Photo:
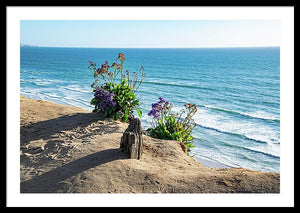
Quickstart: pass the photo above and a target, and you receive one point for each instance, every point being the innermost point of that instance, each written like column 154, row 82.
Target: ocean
column 237, row 92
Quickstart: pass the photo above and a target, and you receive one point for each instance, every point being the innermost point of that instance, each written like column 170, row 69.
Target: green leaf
column 139, row 112
column 93, row 101
column 189, row 138
column 135, row 102
column 189, row 145
column 125, row 117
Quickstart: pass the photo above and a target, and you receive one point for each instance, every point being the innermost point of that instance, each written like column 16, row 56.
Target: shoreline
column 66, row 149
column 211, row 164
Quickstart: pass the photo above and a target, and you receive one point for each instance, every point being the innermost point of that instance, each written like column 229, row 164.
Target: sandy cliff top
column 67, row 149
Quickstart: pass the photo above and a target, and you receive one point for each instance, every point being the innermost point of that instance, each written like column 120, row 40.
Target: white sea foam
column 262, row 115
column 248, row 129
column 256, row 114
column 54, row 95
column 79, row 89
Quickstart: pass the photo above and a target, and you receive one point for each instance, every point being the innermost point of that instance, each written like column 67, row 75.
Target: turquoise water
column 237, row 91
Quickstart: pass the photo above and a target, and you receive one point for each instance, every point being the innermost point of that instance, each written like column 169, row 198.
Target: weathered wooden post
column 132, row 140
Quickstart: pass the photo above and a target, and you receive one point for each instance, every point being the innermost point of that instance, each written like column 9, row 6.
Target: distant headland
column 27, row 45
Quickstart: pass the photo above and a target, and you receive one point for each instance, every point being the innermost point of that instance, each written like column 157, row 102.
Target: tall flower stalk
column 113, row 99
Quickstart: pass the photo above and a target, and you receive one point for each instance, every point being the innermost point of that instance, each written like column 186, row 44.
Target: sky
column 150, row 34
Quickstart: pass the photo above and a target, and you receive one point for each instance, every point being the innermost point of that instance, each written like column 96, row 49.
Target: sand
column 66, row 149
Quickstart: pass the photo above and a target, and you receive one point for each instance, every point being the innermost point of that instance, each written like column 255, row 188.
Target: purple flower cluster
column 157, row 107
column 162, row 100
column 105, row 99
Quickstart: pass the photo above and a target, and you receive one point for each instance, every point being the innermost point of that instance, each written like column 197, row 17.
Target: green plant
column 113, row 99
column 125, row 98
column 170, row 126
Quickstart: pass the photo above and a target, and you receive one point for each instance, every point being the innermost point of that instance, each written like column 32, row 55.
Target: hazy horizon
column 29, row 45
column 150, row 33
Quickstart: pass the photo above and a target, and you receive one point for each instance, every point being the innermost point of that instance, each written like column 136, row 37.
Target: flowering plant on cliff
column 170, row 126
column 114, row 90
column 103, row 100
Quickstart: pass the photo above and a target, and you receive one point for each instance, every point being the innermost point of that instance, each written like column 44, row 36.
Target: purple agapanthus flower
column 155, row 113
column 105, row 98
column 102, row 106
column 157, row 108
column 161, row 100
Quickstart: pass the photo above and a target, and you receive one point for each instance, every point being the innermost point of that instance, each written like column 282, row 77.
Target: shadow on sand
column 45, row 129
column 49, row 181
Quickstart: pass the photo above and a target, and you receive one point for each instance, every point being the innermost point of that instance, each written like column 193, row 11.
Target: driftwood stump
column 132, row 140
